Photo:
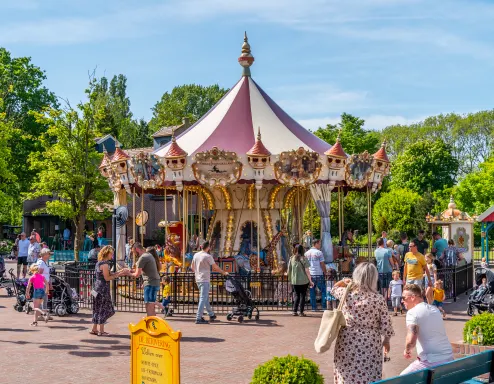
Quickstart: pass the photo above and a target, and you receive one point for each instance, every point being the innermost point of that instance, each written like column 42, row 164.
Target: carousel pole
column 184, row 241
column 340, row 231
column 258, row 232
column 369, row 224
column 200, row 215
column 342, row 210
column 166, row 216
column 134, row 214
column 142, row 215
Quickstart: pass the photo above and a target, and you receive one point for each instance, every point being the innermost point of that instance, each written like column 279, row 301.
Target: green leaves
column 486, row 323
column 288, row 370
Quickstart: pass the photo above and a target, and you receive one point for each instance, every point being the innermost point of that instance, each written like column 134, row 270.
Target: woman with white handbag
column 358, row 354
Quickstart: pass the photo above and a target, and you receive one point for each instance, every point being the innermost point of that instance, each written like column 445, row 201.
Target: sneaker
column 212, row 318
column 294, row 314
column 202, row 321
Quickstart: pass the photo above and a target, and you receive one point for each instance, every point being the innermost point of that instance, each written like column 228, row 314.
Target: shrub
column 288, row 370
column 486, row 323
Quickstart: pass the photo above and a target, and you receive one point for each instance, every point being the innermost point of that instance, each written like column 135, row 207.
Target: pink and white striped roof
column 233, row 122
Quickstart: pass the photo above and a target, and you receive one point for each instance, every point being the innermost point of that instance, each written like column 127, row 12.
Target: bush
column 288, row 370
column 486, row 323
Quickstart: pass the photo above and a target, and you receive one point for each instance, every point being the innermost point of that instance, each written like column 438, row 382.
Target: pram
column 3, row 280
column 245, row 304
column 62, row 299
column 19, row 286
column 482, row 298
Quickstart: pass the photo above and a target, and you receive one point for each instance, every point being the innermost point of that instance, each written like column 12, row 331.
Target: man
column 44, row 269
column 93, row 253
column 23, row 246
column 439, row 246
column 147, row 267
column 201, row 266
column 425, row 331
column 415, row 267
column 421, row 243
column 66, row 237
column 384, row 259
column 33, row 250
column 450, row 255
column 404, row 247
column 36, row 234
column 307, row 240
column 317, row 270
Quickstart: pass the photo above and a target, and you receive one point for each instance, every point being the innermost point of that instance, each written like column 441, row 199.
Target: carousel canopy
column 232, row 124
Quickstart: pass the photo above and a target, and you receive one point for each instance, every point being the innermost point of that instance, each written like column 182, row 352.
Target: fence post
column 454, row 283
column 174, row 290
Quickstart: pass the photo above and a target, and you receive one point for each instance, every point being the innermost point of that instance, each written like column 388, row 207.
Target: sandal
column 34, row 324
column 106, row 334
column 93, row 333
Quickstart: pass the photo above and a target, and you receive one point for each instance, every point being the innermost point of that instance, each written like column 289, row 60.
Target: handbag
column 331, row 323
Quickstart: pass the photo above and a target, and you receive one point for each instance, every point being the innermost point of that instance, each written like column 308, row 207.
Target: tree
column 8, row 214
column 426, row 166
column 191, row 101
column 68, row 166
column 22, row 91
column 399, row 210
column 354, row 138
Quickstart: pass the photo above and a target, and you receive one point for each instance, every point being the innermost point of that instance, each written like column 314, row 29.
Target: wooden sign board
column 155, row 352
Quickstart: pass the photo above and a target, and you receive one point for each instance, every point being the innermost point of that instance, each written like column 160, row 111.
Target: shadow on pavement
column 18, row 330
column 89, row 354
column 100, row 341
column 201, row 339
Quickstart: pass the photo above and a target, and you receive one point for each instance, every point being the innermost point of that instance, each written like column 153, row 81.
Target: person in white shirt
column 33, row 250
column 201, row 265
column 23, row 246
column 425, row 331
column 317, row 270
column 44, row 269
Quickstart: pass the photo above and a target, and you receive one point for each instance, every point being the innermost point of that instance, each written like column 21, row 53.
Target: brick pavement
column 223, row 352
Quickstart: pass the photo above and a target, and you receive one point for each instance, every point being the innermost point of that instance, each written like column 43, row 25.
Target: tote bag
column 331, row 323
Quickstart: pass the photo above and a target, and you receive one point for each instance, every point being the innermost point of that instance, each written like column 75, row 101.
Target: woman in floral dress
column 102, row 303
column 358, row 354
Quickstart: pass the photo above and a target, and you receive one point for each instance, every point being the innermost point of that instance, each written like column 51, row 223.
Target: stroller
column 482, row 298
column 19, row 287
column 245, row 305
column 62, row 299
column 3, row 280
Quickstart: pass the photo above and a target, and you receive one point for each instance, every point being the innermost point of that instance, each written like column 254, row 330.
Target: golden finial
column 246, row 59
column 259, row 133
column 338, row 138
column 173, row 135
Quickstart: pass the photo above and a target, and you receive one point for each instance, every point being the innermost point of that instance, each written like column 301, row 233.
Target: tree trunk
column 79, row 235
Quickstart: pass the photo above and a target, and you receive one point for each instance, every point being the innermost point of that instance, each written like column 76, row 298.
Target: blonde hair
column 365, row 277
column 105, row 253
column 395, row 273
column 34, row 268
column 390, row 243
column 429, row 256
column 440, row 283
column 483, row 259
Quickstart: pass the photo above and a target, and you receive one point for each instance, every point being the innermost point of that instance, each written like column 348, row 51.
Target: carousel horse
column 171, row 254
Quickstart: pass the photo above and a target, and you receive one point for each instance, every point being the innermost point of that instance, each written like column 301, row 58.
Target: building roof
column 166, row 131
column 100, row 140
column 381, row 153
column 336, row 150
column 119, row 155
column 486, row 216
column 135, row 151
column 174, row 150
column 258, row 149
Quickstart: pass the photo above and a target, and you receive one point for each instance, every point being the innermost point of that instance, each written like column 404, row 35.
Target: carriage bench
column 461, row 371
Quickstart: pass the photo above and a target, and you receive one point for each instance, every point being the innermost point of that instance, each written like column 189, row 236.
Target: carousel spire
column 106, row 159
column 175, row 151
column 259, row 150
column 246, row 59
column 381, row 153
column 337, row 149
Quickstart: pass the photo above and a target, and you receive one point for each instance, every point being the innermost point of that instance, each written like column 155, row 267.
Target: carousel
column 242, row 177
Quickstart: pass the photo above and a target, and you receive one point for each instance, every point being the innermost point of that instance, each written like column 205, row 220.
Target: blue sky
column 387, row 61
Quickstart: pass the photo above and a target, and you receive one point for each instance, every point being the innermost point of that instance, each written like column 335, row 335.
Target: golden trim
column 273, row 194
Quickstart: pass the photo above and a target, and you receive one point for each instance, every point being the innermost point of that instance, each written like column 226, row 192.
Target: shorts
column 384, row 280
column 396, row 301
column 39, row 293
column 437, row 303
column 150, row 293
column 419, row 282
column 22, row 260
column 166, row 301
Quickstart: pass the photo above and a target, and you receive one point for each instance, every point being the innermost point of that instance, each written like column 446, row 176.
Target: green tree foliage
column 475, row 193
column 400, row 210
column 8, row 213
column 192, row 101
column 68, row 166
column 484, row 321
column 469, row 136
column 425, row 166
column 354, row 138
column 22, row 91
column 113, row 112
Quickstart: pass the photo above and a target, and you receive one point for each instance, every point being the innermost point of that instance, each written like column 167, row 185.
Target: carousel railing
column 268, row 292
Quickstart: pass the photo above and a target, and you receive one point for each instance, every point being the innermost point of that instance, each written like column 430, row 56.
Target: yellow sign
column 155, row 352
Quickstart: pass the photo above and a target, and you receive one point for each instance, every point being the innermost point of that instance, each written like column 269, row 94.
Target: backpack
column 406, row 249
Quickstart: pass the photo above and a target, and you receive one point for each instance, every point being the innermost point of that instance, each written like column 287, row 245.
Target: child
column 480, row 290
column 439, row 296
column 37, row 280
column 395, row 256
column 165, row 284
column 429, row 258
column 483, row 263
column 331, row 278
column 283, row 288
column 394, row 291
column 396, row 253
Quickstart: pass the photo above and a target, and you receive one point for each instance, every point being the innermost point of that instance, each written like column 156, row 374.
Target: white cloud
column 374, row 122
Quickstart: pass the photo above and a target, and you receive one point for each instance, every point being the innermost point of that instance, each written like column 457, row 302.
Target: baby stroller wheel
column 229, row 317
column 73, row 308
column 470, row 310
column 240, row 319
column 18, row 308
column 27, row 308
column 60, row 310
column 10, row 292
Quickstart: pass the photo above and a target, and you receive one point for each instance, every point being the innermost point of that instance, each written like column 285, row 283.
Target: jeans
column 204, row 300
column 299, row 301
column 319, row 283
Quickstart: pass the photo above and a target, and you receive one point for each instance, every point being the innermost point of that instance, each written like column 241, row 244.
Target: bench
column 461, row 371
column 61, row 256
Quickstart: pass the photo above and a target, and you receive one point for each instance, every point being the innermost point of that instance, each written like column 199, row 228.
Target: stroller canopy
column 480, row 273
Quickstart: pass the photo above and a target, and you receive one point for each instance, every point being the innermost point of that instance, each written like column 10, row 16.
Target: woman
column 358, row 354
column 102, row 304
column 299, row 277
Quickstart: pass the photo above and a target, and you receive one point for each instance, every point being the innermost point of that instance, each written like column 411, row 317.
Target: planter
column 460, row 348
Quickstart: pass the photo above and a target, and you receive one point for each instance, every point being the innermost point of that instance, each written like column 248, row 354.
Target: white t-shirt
column 396, row 287
column 23, row 247
column 201, row 265
column 315, row 257
column 432, row 342
column 46, row 269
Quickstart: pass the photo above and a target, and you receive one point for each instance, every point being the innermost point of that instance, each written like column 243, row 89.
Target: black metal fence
column 269, row 293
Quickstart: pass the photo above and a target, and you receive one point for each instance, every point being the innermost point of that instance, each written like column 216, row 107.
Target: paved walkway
column 223, row 352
